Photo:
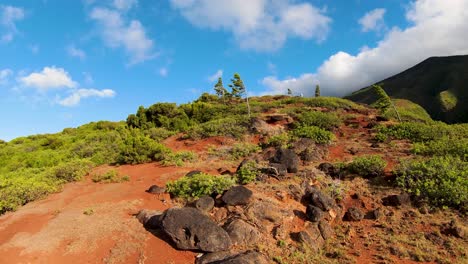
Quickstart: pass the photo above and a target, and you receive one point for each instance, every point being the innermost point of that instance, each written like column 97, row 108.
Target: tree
column 237, row 86
column 219, row 88
column 238, row 89
column 289, row 92
column 383, row 100
column 317, row 91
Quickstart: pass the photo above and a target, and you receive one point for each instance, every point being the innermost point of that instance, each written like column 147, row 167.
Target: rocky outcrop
column 288, row 158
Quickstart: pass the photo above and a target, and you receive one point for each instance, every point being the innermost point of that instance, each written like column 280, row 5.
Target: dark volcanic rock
column 281, row 169
column 154, row 189
column 314, row 214
column 325, row 229
column 288, row 158
column 330, row 170
column 311, row 237
column 319, row 199
column 150, row 219
column 242, row 233
column 193, row 173
column 375, row 214
column 237, row 195
column 190, row 229
column 249, row 257
column 354, row 214
column 397, row 200
column 205, row 204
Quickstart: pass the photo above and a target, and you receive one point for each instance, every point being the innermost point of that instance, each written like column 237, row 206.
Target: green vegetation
column 367, row 166
column 317, row 134
column 442, row 180
column 178, row 158
column 247, row 173
column 88, row 211
column 383, row 100
column 317, row 91
column 110, row 176
column 327, row 121
column 447, row 100
column 408, row 111
column 443, row 147
column 282, row 140
column 199, row 185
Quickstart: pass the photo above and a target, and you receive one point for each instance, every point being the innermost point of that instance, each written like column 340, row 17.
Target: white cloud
column 373, row 20
column 215, row 76
column 304, row 83
column 48, row 78
column 119, row 33
column 124, row 5
column 5, row 75
column 262, row 25
column 76, row 96
column 88, row 78
column 163, row 71
column 9, row 15
column 438, row 28
column 76, row 52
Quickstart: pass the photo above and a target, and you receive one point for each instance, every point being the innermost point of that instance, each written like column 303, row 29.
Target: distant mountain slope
column 439, row 84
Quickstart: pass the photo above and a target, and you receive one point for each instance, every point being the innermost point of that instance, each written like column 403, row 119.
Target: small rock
column 281, row 170
column 354, row 214
column 149, row 219
column 325, row 229
column 375, row 214
column 397, row 200
column 193, row 173
column 205, row 204
column 319, row 199
column 453, row 229
column 155, row 189
column 237, row 195
column 295, row 191
column 242, row 233
column 311, row 237
column 288, row 158
column 314, row 214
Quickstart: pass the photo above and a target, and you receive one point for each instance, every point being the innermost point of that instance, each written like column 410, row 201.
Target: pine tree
column 317, row 91
column 237, row 86
column 289, row 92
column 219, row 89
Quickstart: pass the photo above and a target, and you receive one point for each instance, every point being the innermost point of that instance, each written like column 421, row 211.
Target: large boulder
column 150, row 219
column 319, row 199
column 325, row 229
column 190, row 229
column 237, row 195
column 155, row 189
column 314, row 214
column 242, row 233
column 288, row 158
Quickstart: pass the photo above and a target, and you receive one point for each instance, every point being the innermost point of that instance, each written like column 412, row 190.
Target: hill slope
column 439, row 84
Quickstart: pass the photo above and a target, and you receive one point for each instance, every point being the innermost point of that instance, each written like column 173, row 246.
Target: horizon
column 62, row 69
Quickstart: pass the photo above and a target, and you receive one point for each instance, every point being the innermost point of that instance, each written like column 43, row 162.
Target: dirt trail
column 56, row 230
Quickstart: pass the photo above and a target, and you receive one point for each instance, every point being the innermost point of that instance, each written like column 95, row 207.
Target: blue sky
column 66, row 63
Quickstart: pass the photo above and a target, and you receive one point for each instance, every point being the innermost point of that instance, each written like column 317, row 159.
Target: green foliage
column 327, row 121
column 242, row 150
column 442, row 180
column 443, row 147
column 367, row 166
column 383, row 100
column 73, row 170
column 317, row 91
column 322, row 101
column 233, row 127
column 111, row 176
column 447, row 100
column 199, row 185
column 221, row 92
column 137, row 148
column 408, row 111
column 158, row 133
column 88, row 211
column 317, row 134
column 281, row 140
column 247, row 173
column 419, row 132
column 380, row 137
column 178, row 158
column 237, row 86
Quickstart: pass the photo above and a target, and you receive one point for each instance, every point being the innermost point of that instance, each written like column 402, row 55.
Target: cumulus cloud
column 124, row 4
column 9, row 15
column 215, row 76
column 117, row 32
column 48, row 78
column 76, row 52
column 437, row 28
column 261, row 25
column 76, row 95
column 373, row 20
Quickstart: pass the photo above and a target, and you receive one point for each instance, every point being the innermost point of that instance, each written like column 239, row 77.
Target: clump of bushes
column 137, row 148
column 443, row 147
column 199, row 185
column 111, row 176
column 367, row 166
column 233, row 127
column 317, row 134
column 73, row 171
column 282, row 140
column 442, row 180
column 178, row 158
column 242, row 150
column 327, row 121
column 247, row 173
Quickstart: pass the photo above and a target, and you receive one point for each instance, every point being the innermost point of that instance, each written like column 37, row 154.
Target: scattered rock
column 265, row 210
column 237, row 195
column 193, row 173
column 280, row 169
column 288, row 158
column 325, row 229
column 220, row 214
column 375, row 214
column 453, row 229
column 295, row 191
column 242, row 233
column 353, row 214
column 330, row 169
column 319, row 199
column 155, row 189
column 150, row 219
column 205, row 204
column 213, row 257
column 371, row 124
column 375, row 145
column 190, row 229
column 311, row 237
column 397, row 199
column 314, row 214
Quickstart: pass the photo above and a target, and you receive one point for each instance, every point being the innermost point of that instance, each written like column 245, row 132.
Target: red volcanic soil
column 55, row 230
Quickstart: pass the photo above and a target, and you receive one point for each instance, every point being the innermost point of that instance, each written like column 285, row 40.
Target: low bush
column 178, row 158
column 282, row 140
column 233, row 127
column 367, row 166
column 242, row 150
column 137, row 148
column 73, row 171
column 442, row 180
column 443, row 147
column 327, row 121
column 247, row 173
column 199, row 185
column 317, row 134
column 111, row 176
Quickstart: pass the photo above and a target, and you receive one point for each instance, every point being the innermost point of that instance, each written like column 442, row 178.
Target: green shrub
column 178, row 158
column 443, row 147
column 322, row 101
column 159, row 133
column 233, row 127
column 111, row 176
column 73, row 171
column 409, row 112
column 199, row 185
column 420, row 132
column 327, row 121
column 317, row 134
column 242, row 150
column 367, row 166
column 247, row 173
column 281, row 140
column 380, row 137
column 442, row 180
column 137, row 148
column 448, row 100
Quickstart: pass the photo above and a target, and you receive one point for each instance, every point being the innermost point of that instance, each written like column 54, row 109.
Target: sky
column 67, row 63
